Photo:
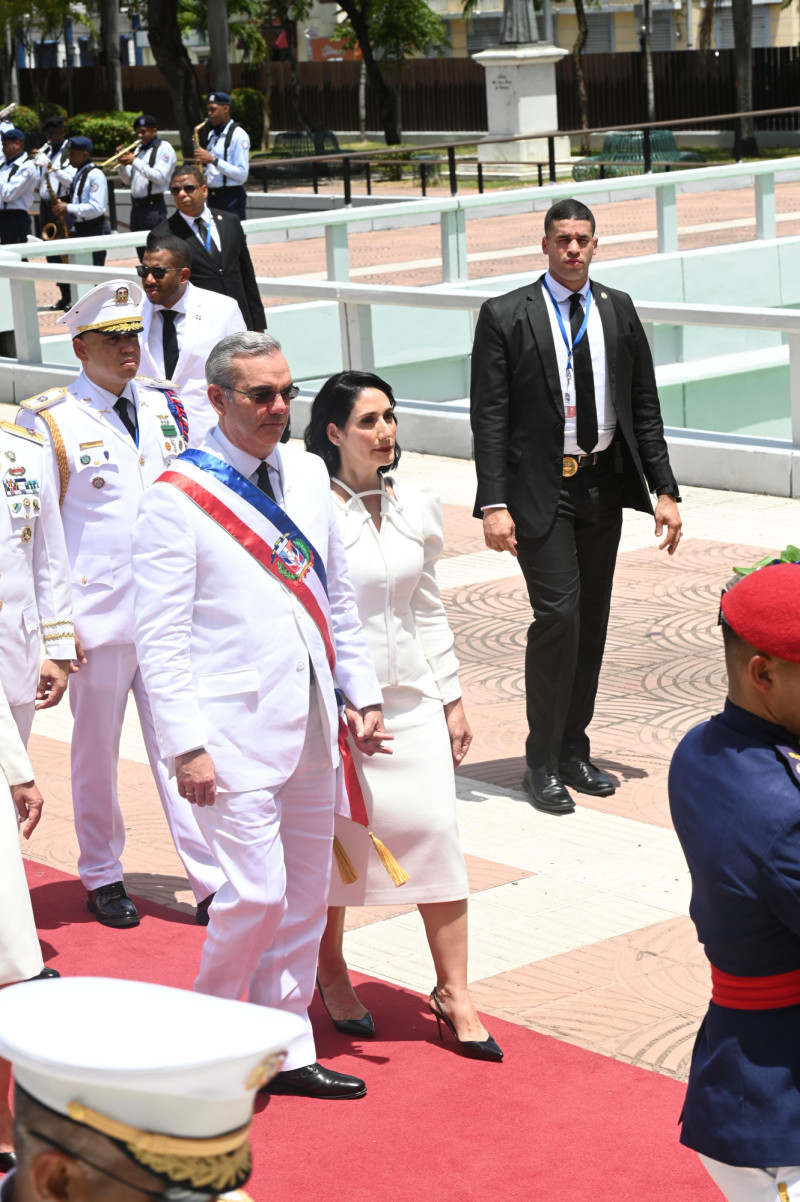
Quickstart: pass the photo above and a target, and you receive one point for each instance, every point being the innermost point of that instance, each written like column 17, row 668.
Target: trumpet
column 8, row 110
column 112, row 162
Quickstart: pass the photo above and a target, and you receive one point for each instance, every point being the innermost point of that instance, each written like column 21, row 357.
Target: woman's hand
column 459, row 729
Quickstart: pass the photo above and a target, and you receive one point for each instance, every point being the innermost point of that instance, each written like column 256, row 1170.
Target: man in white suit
column 245, row 621
column 181, row 322
column 107, row 437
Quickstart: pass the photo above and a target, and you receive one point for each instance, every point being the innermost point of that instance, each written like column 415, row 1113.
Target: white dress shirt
column 606, row 417
column 145, row 179
column 210, row 224
column 231, row 166
column 18, row 180
column 155, row 337
column 248, row 465
column 89, row 194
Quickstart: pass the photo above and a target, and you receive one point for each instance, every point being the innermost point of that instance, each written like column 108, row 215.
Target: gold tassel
column 396, row 872
column 345, row 865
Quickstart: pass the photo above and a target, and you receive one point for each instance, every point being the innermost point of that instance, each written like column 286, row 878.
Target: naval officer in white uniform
column 108, row 437
column 242, row 689
column 35, row 590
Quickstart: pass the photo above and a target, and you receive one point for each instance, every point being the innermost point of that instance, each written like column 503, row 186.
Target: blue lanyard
column 570, row 346
column 208, row 233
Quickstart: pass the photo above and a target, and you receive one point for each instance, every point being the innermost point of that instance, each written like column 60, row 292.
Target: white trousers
column 98, row 694
column 754, row 1185
column 20, row 954
column 23, row 716
column 274, row 847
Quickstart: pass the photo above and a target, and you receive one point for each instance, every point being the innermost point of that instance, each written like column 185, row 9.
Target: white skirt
column 20, row 954
column 410, row 797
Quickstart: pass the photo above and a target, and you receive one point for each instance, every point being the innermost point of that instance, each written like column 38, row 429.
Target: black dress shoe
column 59, row 306
column 201, row 913
column 47, row 974
column 584, row 777
column 111, row 905
column 546, row 792
column 8, row 1161
column 314, row 1081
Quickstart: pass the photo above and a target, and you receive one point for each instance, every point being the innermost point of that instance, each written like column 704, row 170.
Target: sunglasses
column 184, row 188
column 157, row 273
column 267, row 396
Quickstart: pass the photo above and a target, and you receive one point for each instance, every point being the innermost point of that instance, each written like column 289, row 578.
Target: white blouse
column 398, row 599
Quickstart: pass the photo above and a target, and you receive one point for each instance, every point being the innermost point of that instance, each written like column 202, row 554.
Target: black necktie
column 209, row 243
column 586, row 407
column 122, row 407
column 263, row 481
column 169, row 341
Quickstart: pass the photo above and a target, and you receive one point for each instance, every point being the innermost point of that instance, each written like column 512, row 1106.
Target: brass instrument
column 107, row 164
column 8, row 110
column 196, row 138
column 59, row 227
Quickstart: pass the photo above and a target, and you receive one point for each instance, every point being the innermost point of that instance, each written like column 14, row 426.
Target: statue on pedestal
column 519, row 23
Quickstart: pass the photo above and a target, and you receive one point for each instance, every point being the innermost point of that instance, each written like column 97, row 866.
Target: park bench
column 623, row 154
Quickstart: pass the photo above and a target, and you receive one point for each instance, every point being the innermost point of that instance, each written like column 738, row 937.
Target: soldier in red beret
column 734, row 791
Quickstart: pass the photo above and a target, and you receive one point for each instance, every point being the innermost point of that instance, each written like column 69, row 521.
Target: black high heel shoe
column 476, row 1049
column 362, row 1028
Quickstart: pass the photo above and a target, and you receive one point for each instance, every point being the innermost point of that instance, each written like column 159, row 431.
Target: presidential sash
column 261, row 528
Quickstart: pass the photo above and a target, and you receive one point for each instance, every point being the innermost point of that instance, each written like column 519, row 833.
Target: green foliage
column 249, row 20
column 51, row 109
column 25, row 119
column 400, row 29
column 789, row 554
column 247, row 108
column 107, row 130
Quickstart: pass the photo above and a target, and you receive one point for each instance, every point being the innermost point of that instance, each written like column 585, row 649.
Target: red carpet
column 552, row 1123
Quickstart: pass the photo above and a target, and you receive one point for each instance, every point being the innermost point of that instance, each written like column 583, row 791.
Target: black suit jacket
column 517, row 406
column 236, row 277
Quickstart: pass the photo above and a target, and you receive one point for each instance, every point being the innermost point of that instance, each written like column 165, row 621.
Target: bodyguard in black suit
column 567, row 430
column 220, row 259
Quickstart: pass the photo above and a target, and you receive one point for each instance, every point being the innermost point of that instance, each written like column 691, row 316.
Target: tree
column 219, row 42
column 109, row 37
column 388, row 32
column 742, row 13
column 164, row 35
column 580, row 79
column 21, row 21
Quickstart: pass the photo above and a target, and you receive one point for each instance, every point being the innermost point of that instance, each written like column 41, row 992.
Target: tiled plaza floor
column 579, row 925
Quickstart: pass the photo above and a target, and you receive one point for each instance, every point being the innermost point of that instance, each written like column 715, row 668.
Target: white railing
column 356, row 301
column 451, row 213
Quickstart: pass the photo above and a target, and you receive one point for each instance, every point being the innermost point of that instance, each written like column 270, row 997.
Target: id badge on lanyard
column 570, row 410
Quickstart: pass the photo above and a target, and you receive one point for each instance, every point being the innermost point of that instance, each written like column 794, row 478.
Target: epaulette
column 148, row 380
column 22, row 432
column 44, row 400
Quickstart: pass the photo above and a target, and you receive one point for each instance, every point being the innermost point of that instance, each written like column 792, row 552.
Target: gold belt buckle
column 569, row 465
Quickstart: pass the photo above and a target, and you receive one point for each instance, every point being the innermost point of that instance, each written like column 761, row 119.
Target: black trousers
column 15, row 225
column 229, row 199
column 46, row 216
column 569, row 573
column 88, row 229
column 147, row 217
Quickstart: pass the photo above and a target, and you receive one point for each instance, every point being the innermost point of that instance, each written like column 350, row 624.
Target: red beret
column 764, row 610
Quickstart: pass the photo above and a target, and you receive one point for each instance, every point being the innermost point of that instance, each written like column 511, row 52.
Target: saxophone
column 59, row 227
column 196, row 137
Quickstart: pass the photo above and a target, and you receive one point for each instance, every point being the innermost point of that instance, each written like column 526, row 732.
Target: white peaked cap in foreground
column 112, row 308
column 175, row 1076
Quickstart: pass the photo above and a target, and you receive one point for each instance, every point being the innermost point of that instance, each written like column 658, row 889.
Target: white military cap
column 173, row 1085
column 113, row 308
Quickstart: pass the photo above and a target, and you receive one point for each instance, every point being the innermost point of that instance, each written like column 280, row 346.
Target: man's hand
column 80, row 657
column 42, row 160
column 459, row 730
column 203, row 156
column 196, row 777
column 52, row 683
column 29, row 802
column 667, row 514
column 126, row 159
column 59, row 207
column 367, row 729
column 499, row 530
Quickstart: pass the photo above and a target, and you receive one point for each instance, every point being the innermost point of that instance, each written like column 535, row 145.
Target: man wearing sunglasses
column 220, row 259
column 181, row 322
column 245, row 624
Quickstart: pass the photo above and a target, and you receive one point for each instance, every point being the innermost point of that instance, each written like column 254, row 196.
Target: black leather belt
column 572, row 464
column 147, row 202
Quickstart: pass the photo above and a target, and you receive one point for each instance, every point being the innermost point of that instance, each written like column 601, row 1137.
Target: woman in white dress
column 392, row 536
column 20, row 954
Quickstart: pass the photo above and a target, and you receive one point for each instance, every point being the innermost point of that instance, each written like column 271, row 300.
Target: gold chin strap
column 217, row 1162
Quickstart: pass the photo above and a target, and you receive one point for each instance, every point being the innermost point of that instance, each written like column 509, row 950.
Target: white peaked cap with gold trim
column 176, row 1079
column 112, row 308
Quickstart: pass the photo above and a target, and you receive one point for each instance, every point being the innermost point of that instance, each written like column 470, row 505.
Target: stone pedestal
column 521, row 99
